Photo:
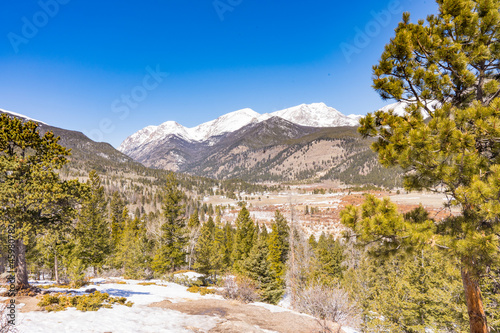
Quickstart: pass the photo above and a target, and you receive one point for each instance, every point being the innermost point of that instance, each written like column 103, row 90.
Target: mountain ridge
column 312, row 115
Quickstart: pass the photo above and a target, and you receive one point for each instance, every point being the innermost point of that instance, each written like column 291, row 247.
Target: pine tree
column 194, row 233
column 258, row 268
column 243, row 238
column 203, row 262
column 218, row 250
column 451, row 58
column 329, row 256
column 117, row 206
column 228, row 244
column 312, row 242
column 408, row 293
column 92, row 228
column 32, row 196
column 133, row 250
column 278, row 248
column 170, row 252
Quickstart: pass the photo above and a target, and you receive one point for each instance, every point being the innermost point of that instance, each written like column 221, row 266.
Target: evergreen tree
column 194, row 232
column 257, row 266
column 218, row 250
column 451, row 58
column 133, row 250
column 117, row 206
column 312, row 242
column 203, row 262
column 329, row 256
column 194, row 220
column 170, row 252
column 32, row 196
column 228, row 244
column 408, row 293
column 92, row 227
column 243, row 238
column 278, row 248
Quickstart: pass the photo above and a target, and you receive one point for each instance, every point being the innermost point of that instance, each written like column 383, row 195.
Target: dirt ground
column 238, row 317
column 30, row 303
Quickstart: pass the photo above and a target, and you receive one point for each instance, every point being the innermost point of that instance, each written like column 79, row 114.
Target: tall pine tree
column 170, row 252
column 243, row 238
column 92, row 228
column 451, row 58
column 32, row 196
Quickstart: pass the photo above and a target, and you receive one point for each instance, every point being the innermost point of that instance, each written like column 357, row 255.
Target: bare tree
column 5, row 326
column 329, row 305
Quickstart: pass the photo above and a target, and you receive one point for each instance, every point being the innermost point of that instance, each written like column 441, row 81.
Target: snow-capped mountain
column 313, row 115
column 399, row 108
column 18, row 115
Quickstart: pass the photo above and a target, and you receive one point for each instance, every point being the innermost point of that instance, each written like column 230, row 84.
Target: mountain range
column 308, row 141
column 312, row 115
column 305, row 142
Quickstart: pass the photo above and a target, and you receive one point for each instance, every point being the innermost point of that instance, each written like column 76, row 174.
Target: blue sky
column 109, row 69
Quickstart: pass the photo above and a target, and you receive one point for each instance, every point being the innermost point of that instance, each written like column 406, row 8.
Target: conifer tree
column 228, row 244
column 243, row 238
column 117, row 206
column 218, row 250
column 451, row 58
column 329, row 256
column 257, row 266
column 408, row 292
column 194, row 233
column 32, row 196
column 133, row 250
column 170, row 252
column 92, row 228
column 203, row 262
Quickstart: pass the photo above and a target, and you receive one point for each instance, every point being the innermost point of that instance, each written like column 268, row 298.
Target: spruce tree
column 92, row 228
column 228, row 244
column 257, row 266
column 133, row 250
column 117, row 206
column 203, row 263
column 243, row 238
column 218, row 250
column 329, row 256
column 170, row 252
column 194, row 233
column 32, row 196
column 451, row 58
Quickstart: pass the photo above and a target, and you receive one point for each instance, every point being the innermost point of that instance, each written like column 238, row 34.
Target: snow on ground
column 189, row 275
column 118, row 319
column 272, row 308
column 138, row 318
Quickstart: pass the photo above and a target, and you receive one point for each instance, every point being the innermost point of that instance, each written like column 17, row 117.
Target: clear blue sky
column 85, row 65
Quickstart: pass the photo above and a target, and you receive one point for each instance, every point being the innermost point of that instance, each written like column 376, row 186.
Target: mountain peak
column 315, row 115
column 312, row 115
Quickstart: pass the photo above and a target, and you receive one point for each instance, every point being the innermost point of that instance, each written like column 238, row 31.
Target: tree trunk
column 477, row 317
column 21, row 268
column 56, row 269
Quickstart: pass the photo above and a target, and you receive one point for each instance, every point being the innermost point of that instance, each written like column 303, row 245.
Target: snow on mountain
column 314, row 115
column 21, row 116
column 229, row 122
column 399, row 108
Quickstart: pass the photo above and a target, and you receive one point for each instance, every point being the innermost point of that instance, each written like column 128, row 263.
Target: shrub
column 5, row 326
column 147, row 284
column 240, row 288
column 90, row 302
column 328, row 305
column 202, row 290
